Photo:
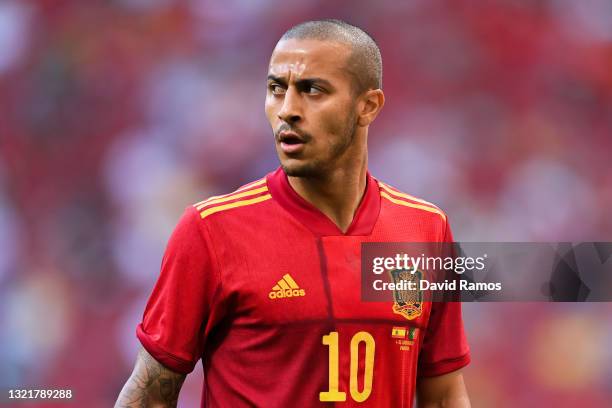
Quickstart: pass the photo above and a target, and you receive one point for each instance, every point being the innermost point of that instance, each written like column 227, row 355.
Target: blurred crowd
column 116, row 115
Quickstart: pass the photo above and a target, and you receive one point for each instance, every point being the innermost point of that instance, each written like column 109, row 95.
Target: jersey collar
column 313, row 219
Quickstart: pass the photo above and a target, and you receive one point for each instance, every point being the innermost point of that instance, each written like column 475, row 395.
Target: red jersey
column 266, row 290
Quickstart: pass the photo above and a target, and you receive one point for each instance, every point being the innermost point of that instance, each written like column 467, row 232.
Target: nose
column 291, row 111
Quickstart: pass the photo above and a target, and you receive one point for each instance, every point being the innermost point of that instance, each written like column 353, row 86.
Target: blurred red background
column 115, row 115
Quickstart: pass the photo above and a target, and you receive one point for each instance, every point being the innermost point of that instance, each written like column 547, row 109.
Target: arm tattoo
column 151, row 384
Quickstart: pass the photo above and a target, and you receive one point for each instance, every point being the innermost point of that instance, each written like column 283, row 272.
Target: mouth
column 291, row 142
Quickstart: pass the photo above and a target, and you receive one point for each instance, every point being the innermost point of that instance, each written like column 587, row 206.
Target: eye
column 313, row 90
column 276, row 89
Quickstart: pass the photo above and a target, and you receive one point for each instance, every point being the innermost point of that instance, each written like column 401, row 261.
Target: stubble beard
column 318, row 168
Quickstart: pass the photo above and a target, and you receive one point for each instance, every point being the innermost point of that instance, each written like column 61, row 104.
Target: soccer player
column 263, row 284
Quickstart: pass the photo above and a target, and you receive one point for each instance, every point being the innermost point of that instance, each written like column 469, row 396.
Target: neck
column 338, row 194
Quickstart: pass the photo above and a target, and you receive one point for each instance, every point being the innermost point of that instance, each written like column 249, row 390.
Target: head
column 324, row 90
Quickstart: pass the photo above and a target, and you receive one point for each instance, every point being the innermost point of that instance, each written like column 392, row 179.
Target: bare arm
column 150, row 385
column 443, row 391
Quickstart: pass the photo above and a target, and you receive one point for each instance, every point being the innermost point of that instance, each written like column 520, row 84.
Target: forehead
column 304, row 58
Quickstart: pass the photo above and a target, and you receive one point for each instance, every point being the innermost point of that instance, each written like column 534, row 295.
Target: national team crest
column 408, row 303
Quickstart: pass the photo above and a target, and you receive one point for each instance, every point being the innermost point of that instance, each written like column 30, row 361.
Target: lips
column 291, row 142
column 290, row 137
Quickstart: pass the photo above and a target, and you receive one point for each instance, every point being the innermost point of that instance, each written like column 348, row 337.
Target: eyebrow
column 301, row 82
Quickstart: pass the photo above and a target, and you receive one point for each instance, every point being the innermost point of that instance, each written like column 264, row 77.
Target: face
column 311, row 106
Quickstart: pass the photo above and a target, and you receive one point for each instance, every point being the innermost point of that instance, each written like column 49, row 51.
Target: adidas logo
column 286, row 288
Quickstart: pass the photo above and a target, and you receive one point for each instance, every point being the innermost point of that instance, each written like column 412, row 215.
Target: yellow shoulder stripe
column 253, row 184
column 246, row 186
column 404, row 195
column 413, row 205
column 229, row 197
column 237, row 204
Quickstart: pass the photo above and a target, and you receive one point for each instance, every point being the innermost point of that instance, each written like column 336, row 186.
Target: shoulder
column 247, row 196
column 194, row 227
column 401, row 201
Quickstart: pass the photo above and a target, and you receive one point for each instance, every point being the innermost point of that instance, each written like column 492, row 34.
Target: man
column 263, row 284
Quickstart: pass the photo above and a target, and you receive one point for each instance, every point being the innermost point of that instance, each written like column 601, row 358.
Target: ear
column 370, row 104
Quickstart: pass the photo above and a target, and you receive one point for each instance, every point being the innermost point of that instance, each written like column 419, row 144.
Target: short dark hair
column 365, row 62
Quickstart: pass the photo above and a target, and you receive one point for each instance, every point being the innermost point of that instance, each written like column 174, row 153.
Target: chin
column 305, row 170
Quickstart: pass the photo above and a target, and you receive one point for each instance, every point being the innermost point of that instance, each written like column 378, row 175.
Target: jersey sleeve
column 181, row 309
column 444, row 348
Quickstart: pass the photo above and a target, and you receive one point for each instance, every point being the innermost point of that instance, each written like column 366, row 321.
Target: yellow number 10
column 333, row 394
